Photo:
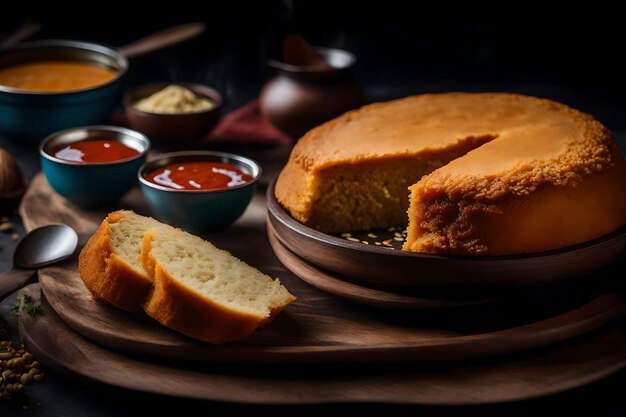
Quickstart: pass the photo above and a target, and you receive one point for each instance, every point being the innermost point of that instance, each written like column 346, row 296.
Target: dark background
column 403, row 48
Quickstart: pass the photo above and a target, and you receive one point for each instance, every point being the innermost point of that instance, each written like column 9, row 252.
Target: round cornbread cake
column 488, row 174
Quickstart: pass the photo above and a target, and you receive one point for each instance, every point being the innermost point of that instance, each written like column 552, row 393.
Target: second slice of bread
column 206, row 292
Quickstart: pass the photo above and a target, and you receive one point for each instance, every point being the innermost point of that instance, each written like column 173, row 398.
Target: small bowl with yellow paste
column 176, row 113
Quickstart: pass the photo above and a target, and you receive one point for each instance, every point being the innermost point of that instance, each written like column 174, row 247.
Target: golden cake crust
column 526, row 150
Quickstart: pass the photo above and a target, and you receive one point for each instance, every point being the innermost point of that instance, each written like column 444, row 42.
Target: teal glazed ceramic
column 199, row 211
column 93, row 183
column 31, row 116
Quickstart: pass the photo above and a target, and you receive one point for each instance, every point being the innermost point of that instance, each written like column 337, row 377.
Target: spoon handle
column 26, row 30
column 13, row 280
column 162, row 40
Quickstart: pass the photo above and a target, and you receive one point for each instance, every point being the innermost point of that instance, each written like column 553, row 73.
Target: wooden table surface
column 59, row 396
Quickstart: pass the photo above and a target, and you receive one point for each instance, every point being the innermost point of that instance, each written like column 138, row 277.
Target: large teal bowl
column 94, row 183
column 199, row 211
column 31, row 116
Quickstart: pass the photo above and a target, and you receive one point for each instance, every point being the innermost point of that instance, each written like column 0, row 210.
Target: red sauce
column 90, row 151
column 199, row 176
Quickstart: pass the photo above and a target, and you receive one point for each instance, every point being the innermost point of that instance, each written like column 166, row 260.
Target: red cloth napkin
column 246, row 125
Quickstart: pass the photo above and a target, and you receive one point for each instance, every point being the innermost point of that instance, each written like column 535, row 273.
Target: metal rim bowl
column 90, row 184
column 32, row 115
column 199, row 210
column 128, row 137
column 61, row 49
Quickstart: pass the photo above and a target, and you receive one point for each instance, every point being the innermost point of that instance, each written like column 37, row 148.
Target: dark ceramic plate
column 376, row 297
column 376, row 266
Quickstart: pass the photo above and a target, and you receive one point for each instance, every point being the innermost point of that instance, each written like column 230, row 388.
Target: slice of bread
column 182, row 281
column 110, row 263
column 205, row 292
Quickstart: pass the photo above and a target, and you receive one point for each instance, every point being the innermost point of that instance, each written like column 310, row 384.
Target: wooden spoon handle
column 162, row 39
column 26, row 30
column 13, row 280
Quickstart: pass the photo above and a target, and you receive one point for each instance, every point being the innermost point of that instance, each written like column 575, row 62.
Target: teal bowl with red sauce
column 88, row 182
column 183, row 202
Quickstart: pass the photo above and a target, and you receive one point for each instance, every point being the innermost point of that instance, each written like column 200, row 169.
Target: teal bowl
column 27, row 116
column 199, row 211
column 93, row 184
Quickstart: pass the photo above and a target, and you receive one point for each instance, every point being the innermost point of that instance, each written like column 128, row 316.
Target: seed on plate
column 365, row 242
column 391, row 229
column 353, row 239
column 346, row 234
column 6, row 227
column 377, row 243
column 372, row 235
column 398, row 239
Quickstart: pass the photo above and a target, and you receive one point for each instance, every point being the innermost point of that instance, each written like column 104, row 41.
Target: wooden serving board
column 318, row 327
column 540, row 373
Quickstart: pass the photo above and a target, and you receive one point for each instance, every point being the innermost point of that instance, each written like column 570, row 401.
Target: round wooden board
column 318, row 327
column 534, row 374
column 372, row 266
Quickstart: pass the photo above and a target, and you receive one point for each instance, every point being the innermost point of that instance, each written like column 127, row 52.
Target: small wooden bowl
column 173, row 128
column 374, row 266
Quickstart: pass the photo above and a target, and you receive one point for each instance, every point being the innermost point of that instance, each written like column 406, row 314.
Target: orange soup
column 55, row 76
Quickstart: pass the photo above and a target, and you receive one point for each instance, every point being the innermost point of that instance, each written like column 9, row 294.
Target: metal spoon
column 40, row 247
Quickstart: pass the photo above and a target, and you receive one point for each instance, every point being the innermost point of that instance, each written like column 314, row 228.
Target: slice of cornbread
column 182, row 281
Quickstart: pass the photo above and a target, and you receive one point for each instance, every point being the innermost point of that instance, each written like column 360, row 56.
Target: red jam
column 199, row 176
column 93, row 151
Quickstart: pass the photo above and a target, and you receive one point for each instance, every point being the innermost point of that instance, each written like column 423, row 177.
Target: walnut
column 12, row 185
